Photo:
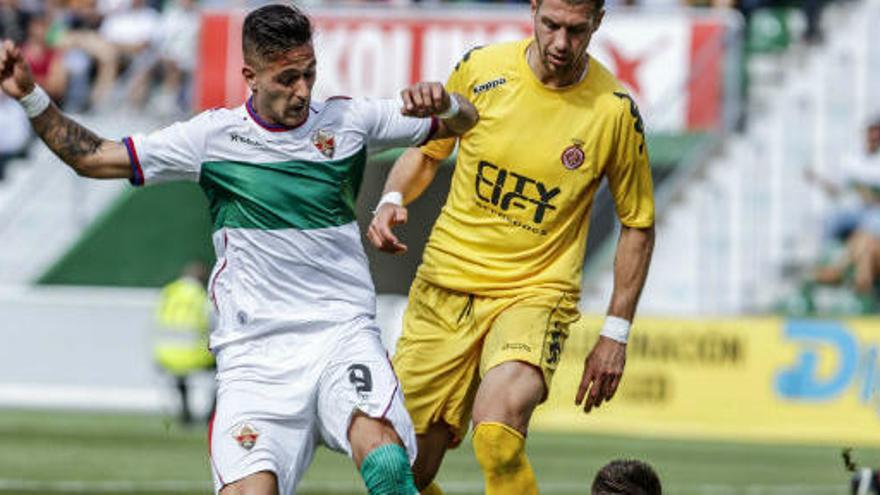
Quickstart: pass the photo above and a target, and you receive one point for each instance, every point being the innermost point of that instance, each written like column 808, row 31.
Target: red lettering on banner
column 704, row 84
column 211, row 76
column 366, row 56
column 376, row 53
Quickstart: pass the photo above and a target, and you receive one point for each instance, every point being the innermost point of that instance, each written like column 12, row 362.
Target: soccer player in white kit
column 299, row 359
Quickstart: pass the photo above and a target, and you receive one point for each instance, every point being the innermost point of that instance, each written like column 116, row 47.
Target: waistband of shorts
column 509, row 293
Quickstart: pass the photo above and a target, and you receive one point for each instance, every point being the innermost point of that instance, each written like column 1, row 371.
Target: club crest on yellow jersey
column 573, row 156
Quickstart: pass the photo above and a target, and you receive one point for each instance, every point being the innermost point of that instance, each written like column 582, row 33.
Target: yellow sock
column 501, row 452
column 432, row 489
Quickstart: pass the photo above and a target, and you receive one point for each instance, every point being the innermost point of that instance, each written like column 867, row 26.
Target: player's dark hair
column 273, row 30
column 597, row 4
column 626, row 477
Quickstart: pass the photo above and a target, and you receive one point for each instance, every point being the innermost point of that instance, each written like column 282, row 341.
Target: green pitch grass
column 75, row 453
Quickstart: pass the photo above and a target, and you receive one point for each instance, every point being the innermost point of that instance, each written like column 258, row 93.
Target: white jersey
column 282, row 202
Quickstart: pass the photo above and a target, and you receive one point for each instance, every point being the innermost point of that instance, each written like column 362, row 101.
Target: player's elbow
column 84, row 168
column 639, row 237
column 93, row 169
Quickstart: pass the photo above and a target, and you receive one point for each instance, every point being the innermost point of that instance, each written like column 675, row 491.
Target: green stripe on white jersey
column 294, row 194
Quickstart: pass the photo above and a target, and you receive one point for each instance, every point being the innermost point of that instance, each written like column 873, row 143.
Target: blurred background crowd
column 91, row 53
column 139, row 56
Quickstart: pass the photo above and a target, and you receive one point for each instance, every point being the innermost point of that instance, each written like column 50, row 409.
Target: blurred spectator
column 75, row 33
column 183, row 324
column 131, row 29
column 175, row 57
column 16, row 132
column 13, row 21
column 852, row 187
column 626, row 477
column 856, row 223
column 47, row 63
column 131, row 32
column 812, row 10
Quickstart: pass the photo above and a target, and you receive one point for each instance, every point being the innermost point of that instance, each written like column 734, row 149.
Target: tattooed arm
column 88, row 154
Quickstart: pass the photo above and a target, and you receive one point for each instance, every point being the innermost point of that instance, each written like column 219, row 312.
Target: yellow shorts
column 451, row 339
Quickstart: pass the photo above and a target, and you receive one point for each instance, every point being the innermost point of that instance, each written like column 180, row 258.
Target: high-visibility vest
column 182, row 327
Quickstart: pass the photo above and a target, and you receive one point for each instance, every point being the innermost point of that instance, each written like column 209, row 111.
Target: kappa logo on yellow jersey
column 486, row 86
column 508, row 190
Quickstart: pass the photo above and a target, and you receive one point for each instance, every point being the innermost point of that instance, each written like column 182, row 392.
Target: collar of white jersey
column 252, row 112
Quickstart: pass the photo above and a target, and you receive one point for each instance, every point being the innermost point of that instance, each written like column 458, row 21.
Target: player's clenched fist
column 425, row 99
column 15, row 75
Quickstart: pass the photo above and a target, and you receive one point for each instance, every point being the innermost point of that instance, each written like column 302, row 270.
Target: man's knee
column 366, row 434
column 509, row 394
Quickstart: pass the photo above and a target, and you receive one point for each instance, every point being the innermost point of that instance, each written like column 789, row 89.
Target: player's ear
column 250, row 77
column 534, row 5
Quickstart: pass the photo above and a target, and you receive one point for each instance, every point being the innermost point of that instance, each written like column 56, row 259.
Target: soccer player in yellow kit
column 490, row 309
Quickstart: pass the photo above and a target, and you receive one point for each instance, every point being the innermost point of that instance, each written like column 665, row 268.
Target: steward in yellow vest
column 183, row 323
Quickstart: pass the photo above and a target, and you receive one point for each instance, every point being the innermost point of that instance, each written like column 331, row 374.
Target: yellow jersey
column 518, row 209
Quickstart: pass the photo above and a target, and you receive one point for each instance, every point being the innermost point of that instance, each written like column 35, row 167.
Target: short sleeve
column 173, row 153
column 385, row 127
column 440, row 149
column 629, row 171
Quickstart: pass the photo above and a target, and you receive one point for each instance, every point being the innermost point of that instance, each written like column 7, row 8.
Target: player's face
column 283, row 87
column 562, row 33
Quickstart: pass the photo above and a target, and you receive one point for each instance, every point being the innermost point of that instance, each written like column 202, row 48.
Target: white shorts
column 281, row 395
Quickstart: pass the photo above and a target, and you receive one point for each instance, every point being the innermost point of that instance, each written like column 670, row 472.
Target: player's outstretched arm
column 414, row 170
column 425, row 99
column 88, row 154
column 412, row 173
column 603, row 367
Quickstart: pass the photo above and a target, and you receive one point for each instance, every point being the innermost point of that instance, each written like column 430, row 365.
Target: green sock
column 386, row 471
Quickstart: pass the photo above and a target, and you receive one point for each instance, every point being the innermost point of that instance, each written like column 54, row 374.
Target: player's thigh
column 437, row 358
column 359, row 381
column 261, row 428
column 521, row 352
column 261, row 483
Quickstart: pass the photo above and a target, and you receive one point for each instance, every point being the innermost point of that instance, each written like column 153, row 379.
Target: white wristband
column 36, row 102
column 392, row 197
column 616, row 328
column 453, row 109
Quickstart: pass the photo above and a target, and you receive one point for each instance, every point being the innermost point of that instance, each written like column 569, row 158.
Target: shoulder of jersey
column 604, row 77
column 611, row 90
column 490, row 56
column 338, row 102
column 217, row 114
